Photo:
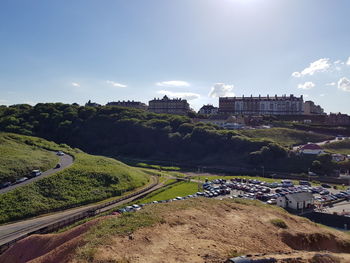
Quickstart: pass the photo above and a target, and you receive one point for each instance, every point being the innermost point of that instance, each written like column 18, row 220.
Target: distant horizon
column 197, row 50
column 146, row 102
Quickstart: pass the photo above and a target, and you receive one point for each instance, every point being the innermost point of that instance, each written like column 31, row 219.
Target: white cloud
column 320, row 65
column 115, row 84
column 75, row 84
column 173, row 84
column 221, row 90
column 322, row 95
column 306, row 85
column 331, row 84
column 348, row 62
column 344, row 84
column 182, row 95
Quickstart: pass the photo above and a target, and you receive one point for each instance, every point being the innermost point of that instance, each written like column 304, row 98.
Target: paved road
column 65, row 161
column 295, row 148
column 12, row 231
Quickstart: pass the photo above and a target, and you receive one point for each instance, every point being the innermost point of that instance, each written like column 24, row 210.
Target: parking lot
column 263, row 191
column 269, row 192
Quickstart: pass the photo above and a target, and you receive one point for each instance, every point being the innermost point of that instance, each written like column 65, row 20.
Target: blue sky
column 73, row 51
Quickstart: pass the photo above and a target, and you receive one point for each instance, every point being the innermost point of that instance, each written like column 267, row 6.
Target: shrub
column 279, row 223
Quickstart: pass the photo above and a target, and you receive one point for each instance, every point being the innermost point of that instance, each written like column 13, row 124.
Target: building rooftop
column 311, row 146
column 300, row 197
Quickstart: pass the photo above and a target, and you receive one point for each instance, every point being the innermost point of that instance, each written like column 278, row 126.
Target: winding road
column 65, row 161
column 12, row 231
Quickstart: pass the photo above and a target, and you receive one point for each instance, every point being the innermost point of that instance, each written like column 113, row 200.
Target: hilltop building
column 128, row 104
column 92, row 104
column 311, row 148
column 274, row 105
column 296, row 201
column 208, row 110
column 170, row 106
column 338, row 119
column 310, row 108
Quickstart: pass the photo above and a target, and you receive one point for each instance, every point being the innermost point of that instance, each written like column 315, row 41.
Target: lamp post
column 263, row 170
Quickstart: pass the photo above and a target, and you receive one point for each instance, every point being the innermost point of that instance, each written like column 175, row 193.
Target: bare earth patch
column 198, row 230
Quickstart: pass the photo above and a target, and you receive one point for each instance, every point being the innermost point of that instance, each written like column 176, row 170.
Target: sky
column 76, row 50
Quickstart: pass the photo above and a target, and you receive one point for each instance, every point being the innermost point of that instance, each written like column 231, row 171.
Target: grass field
column 17, row 159
column 284, row 136
column 342, row 147
column 171, row 191
column 89, row 179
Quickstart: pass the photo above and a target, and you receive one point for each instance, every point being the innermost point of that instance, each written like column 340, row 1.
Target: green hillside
column 89, row 179
column 17, row 159
column 136, row 134
column 285, row 136
column 342, row 147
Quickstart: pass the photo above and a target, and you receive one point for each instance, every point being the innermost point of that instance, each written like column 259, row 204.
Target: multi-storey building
column 129, row 104
column 274, row 105
column 171, row 106
column 310, row 108
column 338, row 119
column 208, row 110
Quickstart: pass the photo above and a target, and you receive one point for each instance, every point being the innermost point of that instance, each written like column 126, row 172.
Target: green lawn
column 172, row 191
column 342, row 147
column 89, row 179
column 284, row 136
column 17, row 159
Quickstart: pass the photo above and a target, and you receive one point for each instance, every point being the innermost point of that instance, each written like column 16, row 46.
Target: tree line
column 126, row 132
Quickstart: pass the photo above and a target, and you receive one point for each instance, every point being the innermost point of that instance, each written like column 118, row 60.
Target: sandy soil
column 204, row 231
column 203, row 234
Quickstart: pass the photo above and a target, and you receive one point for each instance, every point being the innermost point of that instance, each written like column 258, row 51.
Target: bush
column 278, row 223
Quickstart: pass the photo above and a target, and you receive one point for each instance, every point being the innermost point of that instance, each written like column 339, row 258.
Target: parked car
column 324, row 192
column 20, row 180
column 326, row 186
column 304, row 183
column 4, row 185
column 60, row 153
column 58, row 166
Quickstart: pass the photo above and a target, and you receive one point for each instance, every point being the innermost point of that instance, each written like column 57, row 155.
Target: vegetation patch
column 342, row 147
column 18, row 159
column 279, row 223
column 89, row 179
column 171, row 191
column 123, row 225
column 158, row 167
column 286, row 137
column 136, row 134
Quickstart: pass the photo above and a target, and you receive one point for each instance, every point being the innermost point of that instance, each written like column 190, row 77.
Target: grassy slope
column 284, row 136
column 342, row 147
column 171, row 191
column 18, row 159
column 89, row 179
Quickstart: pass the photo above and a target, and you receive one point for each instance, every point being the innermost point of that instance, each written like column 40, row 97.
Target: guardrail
column 82, row 215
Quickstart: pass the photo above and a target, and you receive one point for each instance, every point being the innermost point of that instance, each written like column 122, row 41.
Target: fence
column 331, row 220
column 82, row 215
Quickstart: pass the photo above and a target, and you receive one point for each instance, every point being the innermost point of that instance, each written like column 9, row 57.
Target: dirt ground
column 206, row 231
column 216, row 233
column 47, row 248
